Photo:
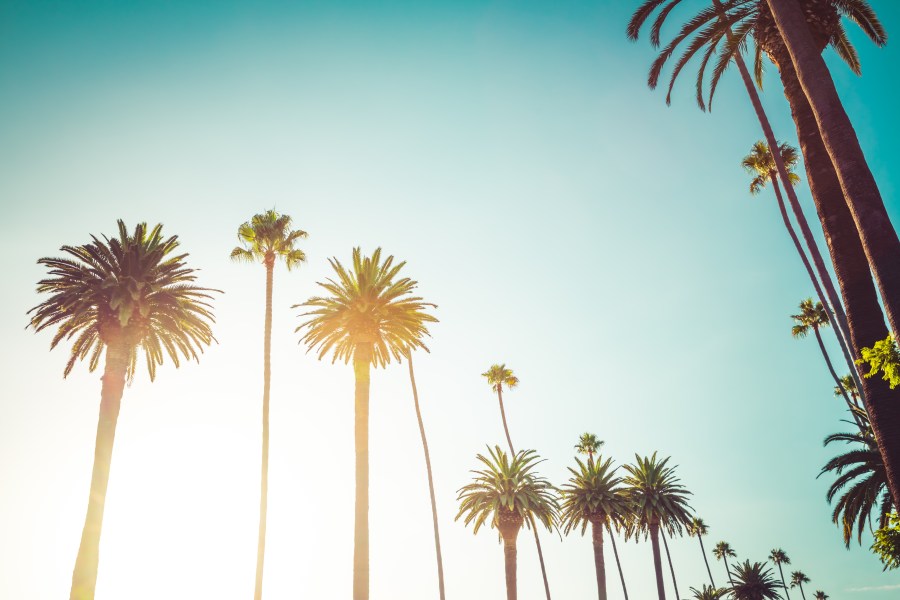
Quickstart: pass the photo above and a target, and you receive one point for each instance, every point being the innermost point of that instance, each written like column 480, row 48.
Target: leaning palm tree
column 267, row 238
column 498, row 376
column 723, row 552
column 847, row 386
column 753, row 581
column 820, row 595
column 506, row 494
column 369, row 316
column 698, row 528
column 658, row 500
column 780, row 557
column 593, row 495
column 120, row 295
column 589, row 444
column 798, row 578
column 708, row 593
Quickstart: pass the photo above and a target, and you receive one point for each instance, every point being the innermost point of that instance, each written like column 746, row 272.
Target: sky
column 562, row 217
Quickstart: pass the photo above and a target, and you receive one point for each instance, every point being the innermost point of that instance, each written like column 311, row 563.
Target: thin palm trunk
column 509, row 563
column 703, row 552
column 728, row 570
column 84, row 575
column 599, row 565
column 657, row 561
column 503, row 417
column 786, row 593
column 612, row 538
column 803, row 595
column 669, row 557
column 362, row 360
column 264, row 474
column 434, row 515
column 834, row 376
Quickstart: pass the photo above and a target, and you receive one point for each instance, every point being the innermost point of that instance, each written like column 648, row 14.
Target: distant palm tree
column 708, row 593
column 368, row 317
column 507, row 494
column 657, row 500
column 122, row 295
column 780, row 557
column 266, row 238
column 498, row 376
column 593, row 495
column 820, row 595
column 588, row 444
column 698, row 529
column 723, row 551
column 798, row 578
column 754, row 582
column 848, row 386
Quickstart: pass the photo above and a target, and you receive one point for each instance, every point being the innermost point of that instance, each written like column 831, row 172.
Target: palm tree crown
column 723, row 551
column 820, row 595
column 656, row 496
column 697, row 528
column 367, row 306
column 588, row 444
column 753, row 581
column 499, row 376
column 592, row 494
column 707, row 592
column 268, row 236
column 812, row 317
column 127, row 290
column 798, row 578
column 761, row 164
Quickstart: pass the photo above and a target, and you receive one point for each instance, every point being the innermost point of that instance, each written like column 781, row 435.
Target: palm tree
column 723, row 551
column 708, row 593
column 820, row 595
column 507, row 494
column 266, row 238
column 612, row 538
column 780, row 557
column 658, row 500
column 368, row 317
column 798, row 578
column 122, row 295
column 588, row 444
column 593, row 495
column 698, row 528
column 499, row 376
column 662, row 534
column 434, row 516
column 847, row 385
column 754, row 582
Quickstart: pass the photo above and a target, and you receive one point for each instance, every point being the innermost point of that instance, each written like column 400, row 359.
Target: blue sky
column 563, row 218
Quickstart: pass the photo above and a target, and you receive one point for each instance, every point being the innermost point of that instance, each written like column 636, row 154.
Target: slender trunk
column 599, row 565
column 803, row 595
column 434, row 515
column 264, row 475
column 84, row 576
column 669, row 557
column 512, row 451
column 728, row 570
column 612, row 538
column 362, row 360
column 657, row 561
column 786, row 593
column 837, row 380
column 878, row 236
column 703, row 552
column 509, row 562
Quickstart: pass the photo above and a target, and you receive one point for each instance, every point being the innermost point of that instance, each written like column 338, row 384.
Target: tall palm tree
column 847, row 385
column 798, row 578
column 698, row 529
column 780, row 557
column 121, row 294
column 658, row 500
column 593, row 495
column 266, row 238
column 708, row 593
column 506, row 494
column 498, row 377
column 369, row 316
column 723, row 551
column 434, row 515
column 820, row 595
column 753, row 581
column 589, row 444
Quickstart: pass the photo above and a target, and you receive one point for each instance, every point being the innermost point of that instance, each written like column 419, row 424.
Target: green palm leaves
column 268, row 236
column 656, row 496
column 366, row 306
column 812, row 316
column 761, row 164
column 708, row 593
column 592, row 495
column 499, row 377
column 589, row 444
column 753, row 581
column 131, row 290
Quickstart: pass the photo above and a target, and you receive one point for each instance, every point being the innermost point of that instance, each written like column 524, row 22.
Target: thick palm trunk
column 434, row 515
column 264, row 473
column 708, row 570
column 657, row 561
column 786, row 593
column 362, row 361
column 612, row 538
column 671, row 568
column 84, row 576
column 599, row 565
column 509, row 563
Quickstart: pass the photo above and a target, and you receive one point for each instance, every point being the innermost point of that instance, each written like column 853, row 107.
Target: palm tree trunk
column 657, row 561
column 708, row 570
column 801, row 591
column 434, row 515
column 612, row 538
column 264, row 475
column 512, row 451
column 728, row 570
column 878, row 236
column 599, row 565
column 837, row 380
column 84, row 576
column 669, row 557
column 362, row 360
column 786, row 593
column 509, row 562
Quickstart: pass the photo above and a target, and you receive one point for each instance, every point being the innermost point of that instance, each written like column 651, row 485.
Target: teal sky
column 563, row 218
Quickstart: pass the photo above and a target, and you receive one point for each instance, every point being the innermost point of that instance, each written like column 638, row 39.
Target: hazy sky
column 563, row 218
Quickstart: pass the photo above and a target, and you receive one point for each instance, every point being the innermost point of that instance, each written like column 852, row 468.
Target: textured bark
column 264, row 471
column 84, row 576
column 509, row 563
column 703, row 552
column 657, row 560
column 612, row 538
column 362, row 361
column 434, row 515
column 671, row 568
column 599, row 565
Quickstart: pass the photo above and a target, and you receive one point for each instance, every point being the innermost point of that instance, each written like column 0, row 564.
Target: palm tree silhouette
column 780, row 557
column 798, row 578
column 698, row 528
column 753, row 581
